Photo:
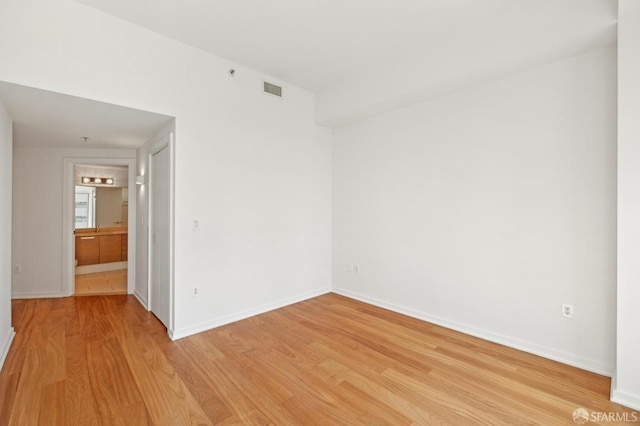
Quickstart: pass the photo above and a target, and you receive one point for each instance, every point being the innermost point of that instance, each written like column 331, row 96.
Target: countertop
column 94, row 232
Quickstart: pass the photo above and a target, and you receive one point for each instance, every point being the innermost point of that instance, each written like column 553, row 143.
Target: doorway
column 52, row 129
column 99, row 259
column 101, row 229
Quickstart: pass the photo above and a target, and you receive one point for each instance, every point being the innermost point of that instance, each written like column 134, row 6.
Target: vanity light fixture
column 140, row 180
column 96, row 180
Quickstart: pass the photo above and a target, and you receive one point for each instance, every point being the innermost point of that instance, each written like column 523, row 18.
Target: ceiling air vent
column 272, row 89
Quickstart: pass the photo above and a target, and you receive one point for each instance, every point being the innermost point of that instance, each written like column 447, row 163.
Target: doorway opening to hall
column 101, row 229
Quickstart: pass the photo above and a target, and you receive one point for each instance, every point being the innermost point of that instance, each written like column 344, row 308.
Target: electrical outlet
column 17, row 269
column 567, row 310
column 353, row 268
column 195, row 291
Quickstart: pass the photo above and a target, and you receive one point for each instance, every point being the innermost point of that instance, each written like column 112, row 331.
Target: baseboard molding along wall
column 38, row 295
column 141, row 299
column 199, row 328
column 626, row 399
column 6, row 346
column 101, row 267
column 553, row 354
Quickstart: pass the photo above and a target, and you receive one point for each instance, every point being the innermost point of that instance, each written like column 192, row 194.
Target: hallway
column 102, row 283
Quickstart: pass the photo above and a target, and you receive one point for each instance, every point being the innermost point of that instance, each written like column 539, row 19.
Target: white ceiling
column 321, row 44
column 48, row 119
column 356, row 55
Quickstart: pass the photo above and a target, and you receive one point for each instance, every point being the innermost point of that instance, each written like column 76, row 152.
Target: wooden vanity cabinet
column 97, row 248
column 110, row 248
column 88, row 250
column 125, row 247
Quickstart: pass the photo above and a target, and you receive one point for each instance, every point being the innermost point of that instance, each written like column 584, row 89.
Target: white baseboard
column 38, row 295
column 6, row 345
column 545, row 352
column 101, row 267
column 198, row 328
column 626, row 399
column 141, row 299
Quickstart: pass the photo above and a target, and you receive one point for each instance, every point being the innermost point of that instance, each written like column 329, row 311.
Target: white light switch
column 196, row 225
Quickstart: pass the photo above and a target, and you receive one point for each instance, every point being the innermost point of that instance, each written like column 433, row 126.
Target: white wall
column 6, row 144
column 486, row 209
column 626, row 383
column 255, row 170
column 37, row 216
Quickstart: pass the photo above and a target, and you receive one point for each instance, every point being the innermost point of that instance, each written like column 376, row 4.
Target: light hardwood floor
column 329, row 360
column 100, row 283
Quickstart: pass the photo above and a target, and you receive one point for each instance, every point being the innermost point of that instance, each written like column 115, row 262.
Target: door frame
column 166, row 141
column 68, row 220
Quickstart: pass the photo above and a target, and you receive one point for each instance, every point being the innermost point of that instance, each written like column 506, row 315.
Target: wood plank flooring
column 329, row 360
column 101, row 283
